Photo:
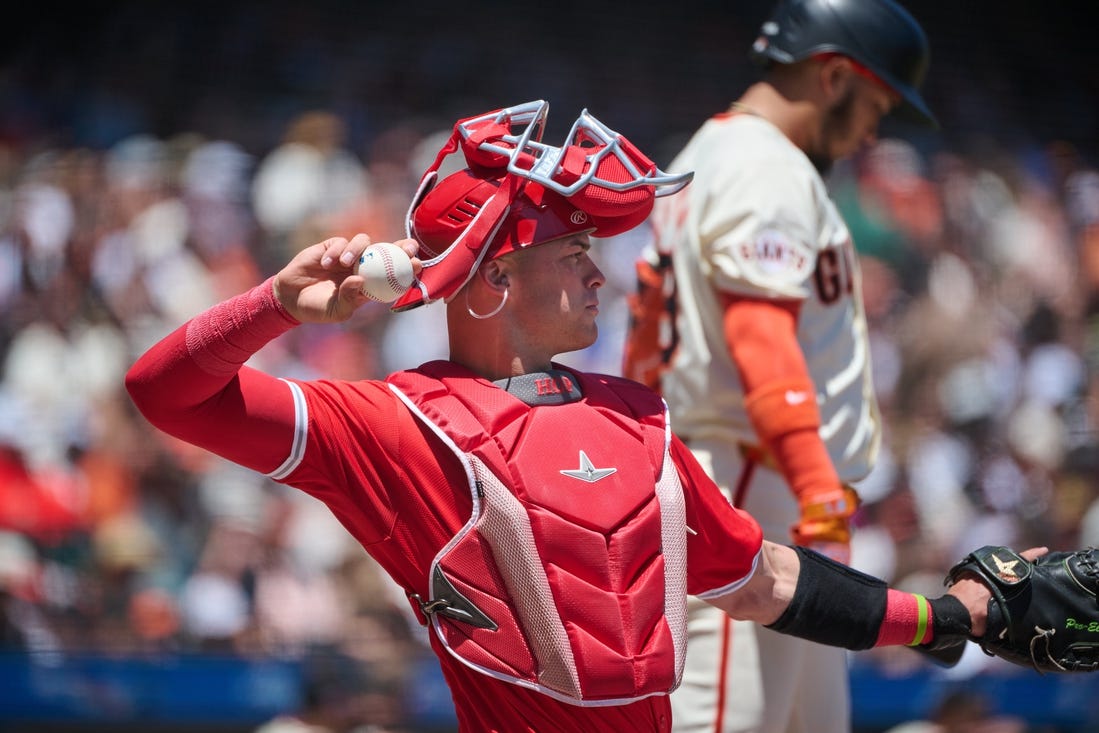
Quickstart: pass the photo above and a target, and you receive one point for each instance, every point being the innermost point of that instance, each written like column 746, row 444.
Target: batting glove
column 825, row 522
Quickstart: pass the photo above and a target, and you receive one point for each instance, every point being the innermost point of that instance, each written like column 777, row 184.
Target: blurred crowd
column 980, row 277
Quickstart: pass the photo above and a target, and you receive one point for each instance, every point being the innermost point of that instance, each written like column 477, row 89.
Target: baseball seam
column 390, row 273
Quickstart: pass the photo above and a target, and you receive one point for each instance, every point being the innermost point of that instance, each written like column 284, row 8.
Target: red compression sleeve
column 193, row 385
column 221, row 339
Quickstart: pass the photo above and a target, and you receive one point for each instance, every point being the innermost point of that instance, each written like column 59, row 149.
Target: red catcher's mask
column 517, row 192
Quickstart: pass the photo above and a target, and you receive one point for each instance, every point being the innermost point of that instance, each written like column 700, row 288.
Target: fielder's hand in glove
column 825, row 522
column 1043, row 612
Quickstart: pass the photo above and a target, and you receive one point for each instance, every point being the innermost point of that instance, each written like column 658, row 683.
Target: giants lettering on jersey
column 775, row 255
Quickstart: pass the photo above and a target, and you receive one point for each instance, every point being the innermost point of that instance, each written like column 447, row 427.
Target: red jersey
column 403, row 495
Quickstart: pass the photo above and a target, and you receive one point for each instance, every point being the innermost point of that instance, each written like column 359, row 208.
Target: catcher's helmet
column 516, row 192
column 879, row 34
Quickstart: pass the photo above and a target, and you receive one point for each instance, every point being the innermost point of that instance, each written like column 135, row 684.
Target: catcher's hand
column 1043, row 612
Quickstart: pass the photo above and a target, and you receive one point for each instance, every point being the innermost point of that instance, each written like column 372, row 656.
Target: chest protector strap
column 570, row 575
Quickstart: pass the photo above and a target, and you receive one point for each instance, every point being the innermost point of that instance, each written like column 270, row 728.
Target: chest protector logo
column 574, row 588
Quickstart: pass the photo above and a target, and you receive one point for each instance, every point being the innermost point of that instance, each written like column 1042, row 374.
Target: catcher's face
column 554, row 298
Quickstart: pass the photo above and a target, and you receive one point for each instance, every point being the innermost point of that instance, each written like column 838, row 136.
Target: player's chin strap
column 464, row 256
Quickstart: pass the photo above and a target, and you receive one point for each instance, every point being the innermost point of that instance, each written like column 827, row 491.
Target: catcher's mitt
column 1043, row 613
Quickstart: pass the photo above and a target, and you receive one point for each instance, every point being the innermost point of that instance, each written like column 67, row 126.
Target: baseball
column 386, row 270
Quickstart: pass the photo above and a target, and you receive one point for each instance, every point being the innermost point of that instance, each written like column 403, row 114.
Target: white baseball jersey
column 759, row 222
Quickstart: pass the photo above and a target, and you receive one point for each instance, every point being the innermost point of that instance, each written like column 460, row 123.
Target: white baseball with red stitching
column 386, row 271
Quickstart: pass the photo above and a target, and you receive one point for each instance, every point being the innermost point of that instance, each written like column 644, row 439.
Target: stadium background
column 157, row 157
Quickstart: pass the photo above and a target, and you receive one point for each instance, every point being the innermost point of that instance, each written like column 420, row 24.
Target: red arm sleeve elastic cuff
column 225, row 336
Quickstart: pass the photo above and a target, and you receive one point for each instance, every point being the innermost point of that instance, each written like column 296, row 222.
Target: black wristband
column 834, row 604
column 949, row 617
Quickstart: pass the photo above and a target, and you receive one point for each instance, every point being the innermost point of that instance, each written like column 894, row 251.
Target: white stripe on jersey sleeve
column 301, row 424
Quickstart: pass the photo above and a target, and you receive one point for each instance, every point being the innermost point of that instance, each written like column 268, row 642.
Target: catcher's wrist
column 833, row 604
column 912, row 620
column 950, row 617
column 907, row 620
column 224, row 337
column 840, row 606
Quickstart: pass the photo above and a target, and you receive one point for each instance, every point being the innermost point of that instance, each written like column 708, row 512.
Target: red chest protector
column 570, row 575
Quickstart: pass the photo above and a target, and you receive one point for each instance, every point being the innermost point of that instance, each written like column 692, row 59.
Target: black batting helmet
column 879, row 34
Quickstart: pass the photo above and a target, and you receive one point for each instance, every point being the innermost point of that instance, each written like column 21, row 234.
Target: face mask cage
column 580, row 161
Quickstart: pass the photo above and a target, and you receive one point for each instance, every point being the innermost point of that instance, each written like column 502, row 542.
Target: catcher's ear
column 495, row 274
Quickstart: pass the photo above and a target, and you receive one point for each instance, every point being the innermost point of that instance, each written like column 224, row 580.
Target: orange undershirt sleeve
column 779, row 395
column 780, row 400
